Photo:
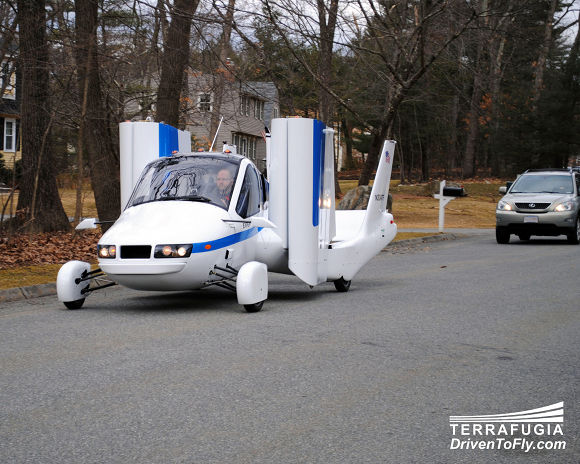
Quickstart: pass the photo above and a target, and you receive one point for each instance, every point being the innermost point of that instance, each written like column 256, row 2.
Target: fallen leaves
column 48, row 248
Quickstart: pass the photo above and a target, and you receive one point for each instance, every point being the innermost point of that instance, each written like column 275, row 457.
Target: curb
column 27, row 293
column 35, row 291
column 419, row 240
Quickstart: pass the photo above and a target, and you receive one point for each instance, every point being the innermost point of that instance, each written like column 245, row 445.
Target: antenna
column 216, row 133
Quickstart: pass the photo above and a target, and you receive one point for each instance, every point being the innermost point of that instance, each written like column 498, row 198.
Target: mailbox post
column 445, row 195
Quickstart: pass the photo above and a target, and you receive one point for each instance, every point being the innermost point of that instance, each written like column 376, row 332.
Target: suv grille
column 135, row 251
column 532, row 205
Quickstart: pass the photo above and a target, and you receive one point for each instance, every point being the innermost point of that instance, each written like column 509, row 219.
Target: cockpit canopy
column 205, row 178
column 208, row 178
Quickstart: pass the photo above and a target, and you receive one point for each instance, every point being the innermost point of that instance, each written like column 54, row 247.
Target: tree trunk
column 222, row 72
column 39, row 196
column 99, row 144
column 174, row 61
column 468, row 169
column 543, row 55
column 347, row 131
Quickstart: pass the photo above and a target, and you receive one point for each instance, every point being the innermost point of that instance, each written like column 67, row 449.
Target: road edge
column 36, row 291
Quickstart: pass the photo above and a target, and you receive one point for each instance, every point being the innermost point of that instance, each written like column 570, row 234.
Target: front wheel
column 254, row 308
column 574, row 234
column 77, row 304
column 342, row 285
column 502, row 235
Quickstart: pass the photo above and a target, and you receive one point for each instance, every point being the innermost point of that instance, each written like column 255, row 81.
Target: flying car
column 197, row 220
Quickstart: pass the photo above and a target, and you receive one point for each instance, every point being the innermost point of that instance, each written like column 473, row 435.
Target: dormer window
column 204, row 102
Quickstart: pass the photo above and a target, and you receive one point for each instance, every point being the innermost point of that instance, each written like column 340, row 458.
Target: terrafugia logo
column 534, row 429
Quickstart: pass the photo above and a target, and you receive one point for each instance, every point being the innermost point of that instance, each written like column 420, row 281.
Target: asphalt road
column 464, row 327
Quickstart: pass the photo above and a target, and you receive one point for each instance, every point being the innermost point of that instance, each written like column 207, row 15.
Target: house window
column 204, row 102
column 8, row 80
column 9, row 135
column 275, row 113
column 259, row 109
column 245, row 103
column 246, row 145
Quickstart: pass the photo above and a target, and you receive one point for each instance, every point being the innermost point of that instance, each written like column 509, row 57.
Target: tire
column 502, row 235
column 524, row 237
column 76, row 304
column 574, row 234
column 342, row 285
column 254, row 308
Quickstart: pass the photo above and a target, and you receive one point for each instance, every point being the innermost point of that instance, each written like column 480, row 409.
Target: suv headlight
column 504, row 206
column 564, row 206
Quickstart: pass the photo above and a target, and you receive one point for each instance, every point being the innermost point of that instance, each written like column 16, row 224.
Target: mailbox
column 453, row 192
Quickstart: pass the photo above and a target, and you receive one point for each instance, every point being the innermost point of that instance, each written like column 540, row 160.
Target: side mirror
column 258, row 221
column 503, row 189
column 89, row 223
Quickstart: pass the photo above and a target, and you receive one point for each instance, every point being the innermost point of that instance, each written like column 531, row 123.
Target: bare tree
column 174, row 61
column 39, row 199
column 97, row 140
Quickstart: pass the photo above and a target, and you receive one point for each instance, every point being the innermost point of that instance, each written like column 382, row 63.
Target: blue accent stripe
column 168, row 140
column 317, row 169
column 225, row 241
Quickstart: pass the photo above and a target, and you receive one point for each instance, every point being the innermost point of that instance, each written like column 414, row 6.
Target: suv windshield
column 202, row 178
column 549, row 183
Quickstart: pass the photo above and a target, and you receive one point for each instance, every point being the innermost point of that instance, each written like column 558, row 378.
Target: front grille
column 135, row 251
column 532, row 205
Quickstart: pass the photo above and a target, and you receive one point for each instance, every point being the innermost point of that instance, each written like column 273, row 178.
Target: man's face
column 224, row 180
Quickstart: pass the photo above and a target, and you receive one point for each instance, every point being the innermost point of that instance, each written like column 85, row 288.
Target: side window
column 577, row 183
column 250, row 194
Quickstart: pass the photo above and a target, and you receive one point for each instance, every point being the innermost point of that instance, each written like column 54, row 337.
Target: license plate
column 531, row 219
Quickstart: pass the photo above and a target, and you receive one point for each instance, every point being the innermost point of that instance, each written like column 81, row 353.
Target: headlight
column 565, row 206
column 504, row 206
column 107, row 251
column 172, row 251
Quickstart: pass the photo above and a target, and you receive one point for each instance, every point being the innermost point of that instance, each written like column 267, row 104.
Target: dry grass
column 415, row 207
column 68, row 198
column 29, row 275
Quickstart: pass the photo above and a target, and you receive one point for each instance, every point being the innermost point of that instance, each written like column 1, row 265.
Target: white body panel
column 278, row 179
column 66, row 287
column 176, row 222
column 252, row 283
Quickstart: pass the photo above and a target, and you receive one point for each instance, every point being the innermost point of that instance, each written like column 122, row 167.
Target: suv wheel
column 574, row 234
column 502, row 235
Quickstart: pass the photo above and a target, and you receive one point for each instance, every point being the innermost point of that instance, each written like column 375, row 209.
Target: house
column 9, row 113
column 246, row 108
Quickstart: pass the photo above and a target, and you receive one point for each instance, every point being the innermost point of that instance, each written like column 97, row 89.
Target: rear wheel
column 254, row 308
column 76, row 304
column 574, row 234
column 502, row 235
column 342, row 285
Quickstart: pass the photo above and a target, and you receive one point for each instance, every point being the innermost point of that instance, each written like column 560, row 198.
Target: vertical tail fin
column 378, row 200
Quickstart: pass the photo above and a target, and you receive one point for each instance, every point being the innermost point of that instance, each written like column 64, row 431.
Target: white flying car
column 196, row 220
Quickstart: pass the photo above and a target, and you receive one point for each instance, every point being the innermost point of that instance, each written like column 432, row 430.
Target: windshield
column 207, row 179
column 549, row 183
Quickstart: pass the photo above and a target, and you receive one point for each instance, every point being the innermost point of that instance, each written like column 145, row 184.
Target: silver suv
column 540, row 202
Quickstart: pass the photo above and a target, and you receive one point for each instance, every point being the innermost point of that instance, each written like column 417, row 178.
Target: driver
column 224, row 184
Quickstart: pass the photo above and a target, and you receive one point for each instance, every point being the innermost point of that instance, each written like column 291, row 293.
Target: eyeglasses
column 224, row 178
